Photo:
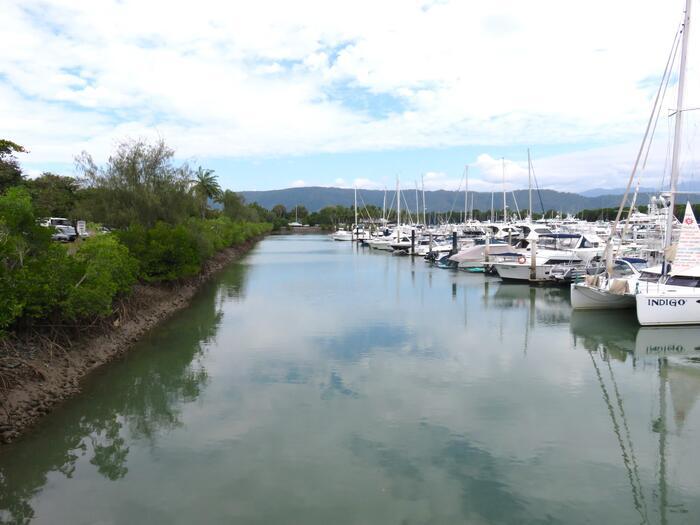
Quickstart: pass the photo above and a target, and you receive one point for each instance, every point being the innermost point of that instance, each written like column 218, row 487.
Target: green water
column 318, row 383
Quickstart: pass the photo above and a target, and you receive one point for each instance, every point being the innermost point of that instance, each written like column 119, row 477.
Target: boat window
column 566, row 243
column 649, row 277
column 681, row 280
column 622, row 270
column 547, row 242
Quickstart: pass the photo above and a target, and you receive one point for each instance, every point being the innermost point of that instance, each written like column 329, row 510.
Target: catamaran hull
column 586, row 298
column 659, row 309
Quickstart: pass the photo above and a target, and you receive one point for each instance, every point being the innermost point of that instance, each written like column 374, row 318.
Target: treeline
column 610, row 213
column 162, row 225
column 331, row 217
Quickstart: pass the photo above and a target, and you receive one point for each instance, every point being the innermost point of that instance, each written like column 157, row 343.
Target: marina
column 317, row 376
column 358, row 263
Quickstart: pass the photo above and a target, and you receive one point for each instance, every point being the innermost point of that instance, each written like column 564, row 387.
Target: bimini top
column 561, row 235
column 633, row 260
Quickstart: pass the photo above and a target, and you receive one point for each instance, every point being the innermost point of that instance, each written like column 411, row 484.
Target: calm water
column 318, row 383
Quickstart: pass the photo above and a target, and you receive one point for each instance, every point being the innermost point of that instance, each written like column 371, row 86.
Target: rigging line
column 641, row 147
column 459, row 188
column 663, row 97
column 369, row 216
column 388, row 210
column 668, row 155
column 616, row 430
column 537, row 187
column 408, row 209
column 628, row 435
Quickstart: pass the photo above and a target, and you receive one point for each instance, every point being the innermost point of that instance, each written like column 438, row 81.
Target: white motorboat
column 342, row 235
column 551, row 250
column 475, row 256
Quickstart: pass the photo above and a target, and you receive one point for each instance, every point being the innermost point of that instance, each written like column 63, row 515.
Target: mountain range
column 690, row 186
column 315, row 197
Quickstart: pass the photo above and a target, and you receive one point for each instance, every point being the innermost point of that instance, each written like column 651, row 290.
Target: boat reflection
column 547, row 305
column 607, row 336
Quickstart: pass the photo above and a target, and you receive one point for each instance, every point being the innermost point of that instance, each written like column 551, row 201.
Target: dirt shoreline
column 53, row 374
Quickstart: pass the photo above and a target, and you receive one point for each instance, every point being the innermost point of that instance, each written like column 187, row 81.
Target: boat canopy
column 561, row 235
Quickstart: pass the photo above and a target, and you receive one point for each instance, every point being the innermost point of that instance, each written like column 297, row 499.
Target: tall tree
column 138, row 185
column 10, row 172
column 53, row 195
column 279, row 210
column 205, row 186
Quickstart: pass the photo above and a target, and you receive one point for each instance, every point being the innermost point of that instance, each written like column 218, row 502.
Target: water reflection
column 320, row 383
column 141, row 400
column 675, row 352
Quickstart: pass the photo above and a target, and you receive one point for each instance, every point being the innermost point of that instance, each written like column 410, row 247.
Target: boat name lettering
column 665, row 349
column 666, row 302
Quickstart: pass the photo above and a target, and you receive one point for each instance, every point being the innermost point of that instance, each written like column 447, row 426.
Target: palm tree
column 204, row 187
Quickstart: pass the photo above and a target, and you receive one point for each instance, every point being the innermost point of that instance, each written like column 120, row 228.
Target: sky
column 274, row 94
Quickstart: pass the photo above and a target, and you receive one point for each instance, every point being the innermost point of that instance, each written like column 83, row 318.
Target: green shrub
column 22, row 241
column 103, row 269
column 44, row 282
column 164, row 252
column 167, row 253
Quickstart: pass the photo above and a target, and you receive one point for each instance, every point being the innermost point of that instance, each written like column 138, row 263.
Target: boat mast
column 398, row 209
column 384, row 208
column 677, row 131
column 529, row 185
column 422, row 185
column 355, row 209
column 466, row 192
column 491, row 205
column 503, row 169
column 417, row 212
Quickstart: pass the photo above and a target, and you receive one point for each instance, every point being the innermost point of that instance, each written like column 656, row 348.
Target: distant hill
column 690, row 186
column 314, row 198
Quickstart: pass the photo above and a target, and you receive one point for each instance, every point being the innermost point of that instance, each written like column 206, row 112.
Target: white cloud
column 299, row 184
column 262, row 78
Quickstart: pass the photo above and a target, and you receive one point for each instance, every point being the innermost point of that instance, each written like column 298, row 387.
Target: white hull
column 378, row 244
column 668, row 308
column 521, row 272
column 342, row 236
column 471, row 264
column 588, row 298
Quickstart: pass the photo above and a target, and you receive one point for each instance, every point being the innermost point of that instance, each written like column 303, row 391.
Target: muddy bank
column 38, row 372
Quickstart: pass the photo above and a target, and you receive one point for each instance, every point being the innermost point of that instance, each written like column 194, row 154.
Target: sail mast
column 398, row 209
column 677, row 131
column 417, row 212
column 384, row 208
column 503, row 169
column 355, row 209
column 529, row 184
column 466, row 192
column 422, row 186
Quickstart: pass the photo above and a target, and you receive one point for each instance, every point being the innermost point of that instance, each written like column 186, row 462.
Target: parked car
column 64, row 230
column 64, row 234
